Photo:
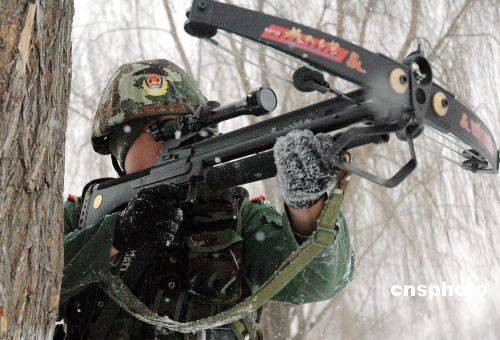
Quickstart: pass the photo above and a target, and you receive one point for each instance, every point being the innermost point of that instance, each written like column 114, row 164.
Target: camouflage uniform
column 228, row 247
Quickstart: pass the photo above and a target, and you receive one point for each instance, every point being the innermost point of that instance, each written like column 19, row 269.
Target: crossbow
column 397, row 97
column 393, row 99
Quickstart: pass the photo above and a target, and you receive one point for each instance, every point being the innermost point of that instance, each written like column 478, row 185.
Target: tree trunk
column 35, row 60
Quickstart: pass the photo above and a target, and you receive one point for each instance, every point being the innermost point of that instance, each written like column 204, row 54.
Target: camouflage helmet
column 143, row 89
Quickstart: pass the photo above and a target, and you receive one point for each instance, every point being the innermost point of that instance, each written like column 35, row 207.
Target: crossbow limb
column 403, row 97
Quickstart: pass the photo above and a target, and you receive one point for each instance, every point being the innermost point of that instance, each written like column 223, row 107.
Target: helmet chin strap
column 121, row 139
column 117, row 167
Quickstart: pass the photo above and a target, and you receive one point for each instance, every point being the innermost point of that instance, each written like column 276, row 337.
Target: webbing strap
column 323, row 236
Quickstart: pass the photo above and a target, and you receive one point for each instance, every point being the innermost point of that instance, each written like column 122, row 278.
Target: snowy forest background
column 441, row 225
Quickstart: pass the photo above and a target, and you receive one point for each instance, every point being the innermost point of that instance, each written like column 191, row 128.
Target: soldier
column 189, row 261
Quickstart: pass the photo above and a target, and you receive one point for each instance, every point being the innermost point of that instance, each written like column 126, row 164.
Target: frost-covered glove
column 152, row 216
column 303, row 172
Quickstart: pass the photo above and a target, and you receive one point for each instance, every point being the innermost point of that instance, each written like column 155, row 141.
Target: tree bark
column 35, row 64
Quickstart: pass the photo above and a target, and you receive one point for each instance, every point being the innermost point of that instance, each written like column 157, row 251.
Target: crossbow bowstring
column 242, row 57
column 448, row 147
column 437, row 154
column 463, row 153
column 248, row 43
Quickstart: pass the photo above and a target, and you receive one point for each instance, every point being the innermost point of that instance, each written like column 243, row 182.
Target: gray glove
column 303, row 172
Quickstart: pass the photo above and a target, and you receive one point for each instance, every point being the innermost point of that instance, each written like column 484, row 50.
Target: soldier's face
column 144, row 152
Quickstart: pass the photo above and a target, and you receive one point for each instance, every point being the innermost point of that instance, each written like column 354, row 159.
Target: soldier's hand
column 152, row 216
column 303, row 172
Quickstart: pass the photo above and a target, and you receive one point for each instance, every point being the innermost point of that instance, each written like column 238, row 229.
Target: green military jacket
column 266, row 240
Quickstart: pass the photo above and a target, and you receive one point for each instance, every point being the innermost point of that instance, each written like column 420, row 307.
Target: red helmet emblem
column 154, row 81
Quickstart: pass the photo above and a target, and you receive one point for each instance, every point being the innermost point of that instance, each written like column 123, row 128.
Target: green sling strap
column 323, row 236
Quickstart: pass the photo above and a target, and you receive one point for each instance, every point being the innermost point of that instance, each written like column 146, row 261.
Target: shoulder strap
column 323, row 236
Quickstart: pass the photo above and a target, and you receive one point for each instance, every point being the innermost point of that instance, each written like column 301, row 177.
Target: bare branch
column 364, row 22
column 239, row 63
column 122, row 29
column 451, row 30
column 138, row 32
column 79, row 114
column 478, row 35
column 199, row 64
column 326, row 5
column 412, row 31
column 177, row 41
column 262, row 57
column 340, row 18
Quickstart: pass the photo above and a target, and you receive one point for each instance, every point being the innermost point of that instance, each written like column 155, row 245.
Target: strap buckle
column 324, row 236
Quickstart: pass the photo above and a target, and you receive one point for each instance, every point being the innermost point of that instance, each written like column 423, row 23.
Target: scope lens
column 267, row 99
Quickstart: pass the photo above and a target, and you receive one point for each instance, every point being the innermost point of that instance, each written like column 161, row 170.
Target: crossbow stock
column 394, row 97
